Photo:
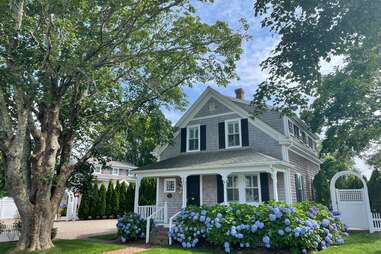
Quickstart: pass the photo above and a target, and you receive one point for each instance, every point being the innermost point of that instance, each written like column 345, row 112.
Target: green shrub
column 131, row 227
column 84, row 208
column 102, row 201
column 109, row 206
column 306, row 226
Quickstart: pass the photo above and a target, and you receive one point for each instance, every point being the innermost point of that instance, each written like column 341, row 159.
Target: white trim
column 227, row 134
column 157, row 190
column 296, row 187
column 166, row 180
column 258, row 187
column 285, row 153
column 213, row 116
column 216, row 169
column 201, row 190
column 198, row 126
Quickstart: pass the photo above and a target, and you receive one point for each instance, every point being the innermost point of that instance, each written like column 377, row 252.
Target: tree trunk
column 36, row 230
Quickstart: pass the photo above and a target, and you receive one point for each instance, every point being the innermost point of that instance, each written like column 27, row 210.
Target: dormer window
column 233, row 133
column 193, row 138
column 290, row 128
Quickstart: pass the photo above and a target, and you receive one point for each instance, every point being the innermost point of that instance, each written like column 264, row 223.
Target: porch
column 174, row 192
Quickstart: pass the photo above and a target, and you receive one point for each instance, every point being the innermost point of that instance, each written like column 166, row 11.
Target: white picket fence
column 9, row 232
column 376, row 218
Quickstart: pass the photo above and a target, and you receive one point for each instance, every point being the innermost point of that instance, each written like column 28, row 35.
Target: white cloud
column 331, row 66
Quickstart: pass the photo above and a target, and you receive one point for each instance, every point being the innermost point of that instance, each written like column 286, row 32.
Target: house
column 114, row 171
column 221, row 154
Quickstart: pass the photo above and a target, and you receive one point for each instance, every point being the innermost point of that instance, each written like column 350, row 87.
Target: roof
column 205, row 159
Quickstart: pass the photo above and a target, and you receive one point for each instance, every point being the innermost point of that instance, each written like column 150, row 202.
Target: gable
column 212, row 107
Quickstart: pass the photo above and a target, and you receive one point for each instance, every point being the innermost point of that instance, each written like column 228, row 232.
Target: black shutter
column 265, row 193
column 220, row 189
column 245, row 132
column 203, row 137
column 221, row 135
column 183, row 145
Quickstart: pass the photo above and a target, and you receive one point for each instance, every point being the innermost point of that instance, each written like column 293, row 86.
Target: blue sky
column 255, row 51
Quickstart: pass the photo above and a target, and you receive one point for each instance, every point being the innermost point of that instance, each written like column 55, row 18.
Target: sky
column 255, row 50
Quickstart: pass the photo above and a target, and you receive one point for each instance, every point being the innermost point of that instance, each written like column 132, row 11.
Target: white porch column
column 157, row 190
column 275, row 184
column 137, row 187
column 225, row 183
column 184, row 184
column 287, row 183
column 201, row 190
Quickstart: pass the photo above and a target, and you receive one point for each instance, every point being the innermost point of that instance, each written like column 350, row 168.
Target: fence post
column 165, row 212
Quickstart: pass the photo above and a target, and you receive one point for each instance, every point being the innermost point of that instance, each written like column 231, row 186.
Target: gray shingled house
column 221, row 154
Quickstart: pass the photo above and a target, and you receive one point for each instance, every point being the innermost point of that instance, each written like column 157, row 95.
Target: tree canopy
column 75, row 73
column 346, row 104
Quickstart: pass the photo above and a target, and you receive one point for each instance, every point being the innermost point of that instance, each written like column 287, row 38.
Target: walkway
column 84, row 228
column 131, row 249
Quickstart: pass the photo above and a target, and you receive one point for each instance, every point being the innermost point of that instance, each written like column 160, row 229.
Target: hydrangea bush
column 305, row 226
column 131, row 227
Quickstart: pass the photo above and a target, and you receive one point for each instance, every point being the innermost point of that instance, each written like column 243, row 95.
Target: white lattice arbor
column 353, row 204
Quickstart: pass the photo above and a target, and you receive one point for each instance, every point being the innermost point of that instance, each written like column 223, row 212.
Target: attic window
column 212, row 106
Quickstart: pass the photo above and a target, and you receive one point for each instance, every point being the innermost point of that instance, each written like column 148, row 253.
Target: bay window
column 252, row 188
column 232, row 189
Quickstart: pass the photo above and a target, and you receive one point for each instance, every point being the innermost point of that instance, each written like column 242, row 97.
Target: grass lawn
column 357, row 243
column 71, row 247
column 109, row 237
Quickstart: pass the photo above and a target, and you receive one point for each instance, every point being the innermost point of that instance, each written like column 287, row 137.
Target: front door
column 193, row 190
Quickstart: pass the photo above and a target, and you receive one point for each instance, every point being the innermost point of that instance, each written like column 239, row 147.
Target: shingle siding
column 209, row 187
column 174, row 202
column 258, row 140
column 307, row 169
column 219, row 108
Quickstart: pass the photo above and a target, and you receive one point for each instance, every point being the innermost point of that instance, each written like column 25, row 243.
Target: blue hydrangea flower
column 287, row 222
column 280, row 232
column 272, row 217
column 325, row 222
column 266, row 239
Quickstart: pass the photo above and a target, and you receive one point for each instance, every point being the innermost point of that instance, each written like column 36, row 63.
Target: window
column 115, row 171
column 310, row 142
column 194, row 138
column 233, row 133
column 252, row 188
column 290, row 128
column 232, row 189
column 98, row 169
column 296, row 131
column 169, row 185
column 299, row 187
column 304, row 137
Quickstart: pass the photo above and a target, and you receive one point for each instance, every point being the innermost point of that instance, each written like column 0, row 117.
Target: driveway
column 84, row 228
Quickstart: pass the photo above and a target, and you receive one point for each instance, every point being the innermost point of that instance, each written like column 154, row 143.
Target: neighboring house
column 115, row 171
column 221, row 154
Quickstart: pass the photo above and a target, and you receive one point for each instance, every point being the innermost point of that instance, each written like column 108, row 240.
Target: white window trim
column 166, row 180
column 199, row 139
column 259, row 188
column 113, row 171
column 226, row 133
column 241, row 186
column 97, row 167
column 235, row 188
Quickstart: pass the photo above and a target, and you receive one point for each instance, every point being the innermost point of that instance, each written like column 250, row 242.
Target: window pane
column 236, row 127
column 252, row 195
column 236, row 140
column 230, row 128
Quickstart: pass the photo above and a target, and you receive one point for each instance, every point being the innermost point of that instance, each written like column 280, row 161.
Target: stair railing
column 160, row 215
column 171, row 226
